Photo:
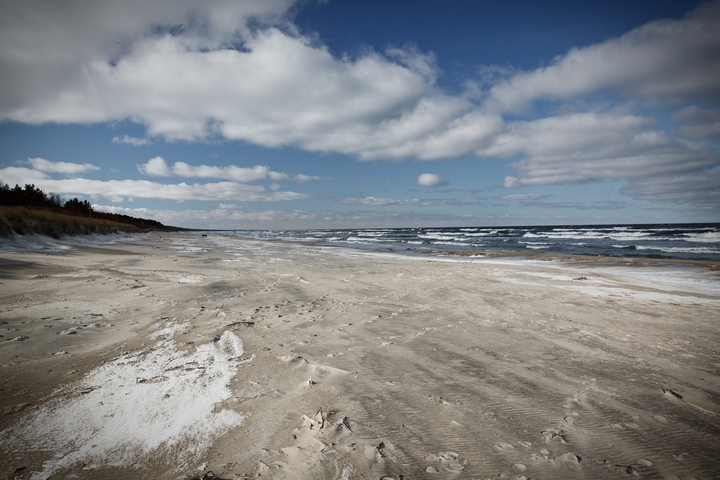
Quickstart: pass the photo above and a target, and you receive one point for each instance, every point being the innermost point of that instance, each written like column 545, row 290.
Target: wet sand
column 115, row 363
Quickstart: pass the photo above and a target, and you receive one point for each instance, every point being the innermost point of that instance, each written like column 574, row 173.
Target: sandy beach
column 171, row 356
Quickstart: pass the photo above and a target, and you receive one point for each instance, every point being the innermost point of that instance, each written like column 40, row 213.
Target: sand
column 176, row 355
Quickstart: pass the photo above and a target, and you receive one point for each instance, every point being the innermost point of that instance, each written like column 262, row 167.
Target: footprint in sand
column 570, row 418
column 554, row 436
column 448, row 461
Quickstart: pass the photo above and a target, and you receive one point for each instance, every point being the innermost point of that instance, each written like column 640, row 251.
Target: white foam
column 444, row 236
column 713, row 251
column 711, row 237
column 141, row 404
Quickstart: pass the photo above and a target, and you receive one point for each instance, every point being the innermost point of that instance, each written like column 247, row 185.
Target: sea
column 696, row 241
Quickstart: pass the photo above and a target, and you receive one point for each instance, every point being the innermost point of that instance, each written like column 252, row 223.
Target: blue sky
column 344, row 113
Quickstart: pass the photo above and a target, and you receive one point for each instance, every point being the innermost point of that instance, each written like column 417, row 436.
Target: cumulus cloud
column 135, row 142
column 662, row 59
column 277, row 176
column 290, row 219
column 21, row 176
column 595, row 148
column 698, row 122
column 430, row 180
column 608, row 148
column 268, row 87
column 232, row 172
column 302, row 178
column 217, row 78
column 384, row 202
column 700, row 188
column 523, row 197
column 157, row 167
column 118, row 190
column 276, row 88
column 229, row 216
column 60, row 167
column 45, row 46
column 371, row 201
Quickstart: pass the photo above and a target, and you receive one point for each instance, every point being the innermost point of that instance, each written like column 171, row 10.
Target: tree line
column 32, row 197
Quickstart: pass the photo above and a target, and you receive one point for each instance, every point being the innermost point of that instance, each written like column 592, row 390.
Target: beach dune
column 179, row 356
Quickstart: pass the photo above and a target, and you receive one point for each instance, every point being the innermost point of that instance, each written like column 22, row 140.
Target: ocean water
column 662, row 241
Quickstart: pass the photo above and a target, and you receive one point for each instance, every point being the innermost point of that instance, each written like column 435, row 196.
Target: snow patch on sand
column 160, row 401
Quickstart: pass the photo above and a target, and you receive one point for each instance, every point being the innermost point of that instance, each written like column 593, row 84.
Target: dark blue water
column 673, row 241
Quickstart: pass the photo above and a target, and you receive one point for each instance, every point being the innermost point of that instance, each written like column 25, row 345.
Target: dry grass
column 24, row 220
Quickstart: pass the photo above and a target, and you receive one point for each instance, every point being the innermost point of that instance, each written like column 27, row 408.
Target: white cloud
column 135, row 142
column 157, row 167
column 280, row 89
column 608, row 148
column 430, row 180
column 301, row 219
column 523, row 197
column 384, row 202
column 115, row 189
column 700, row 188
column 698, row 122
column 271, row 86
column 60, row 167
column 371, row 201
column 284, row 89
column 301, row 178
column 595, row 148
column 21, row 176
column 45, row 46
column 662, row 59
column 232, row 172
column 278, row 176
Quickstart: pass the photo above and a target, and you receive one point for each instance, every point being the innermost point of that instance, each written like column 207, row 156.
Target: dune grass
column 23, row 220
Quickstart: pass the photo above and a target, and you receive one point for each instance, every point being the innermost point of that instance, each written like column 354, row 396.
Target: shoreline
column 652, row 241
column 544, row 255
column 349, row 365
column 568, row 258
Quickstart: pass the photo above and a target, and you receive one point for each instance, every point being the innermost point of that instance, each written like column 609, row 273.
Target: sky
column 284, row 114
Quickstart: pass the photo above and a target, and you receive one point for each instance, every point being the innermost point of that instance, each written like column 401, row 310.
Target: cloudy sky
column 366, row 113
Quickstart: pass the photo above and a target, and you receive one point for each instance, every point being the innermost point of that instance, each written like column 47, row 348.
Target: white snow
column 160, row 400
